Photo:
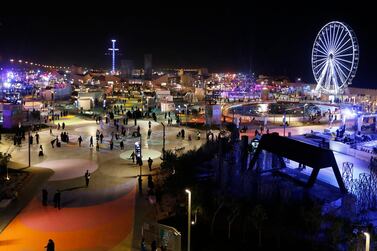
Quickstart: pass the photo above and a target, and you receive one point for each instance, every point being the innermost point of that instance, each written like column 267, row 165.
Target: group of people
column 56, row 140
column 57, row 195
column 64, row 137
column 153, row 246
column 63, row 126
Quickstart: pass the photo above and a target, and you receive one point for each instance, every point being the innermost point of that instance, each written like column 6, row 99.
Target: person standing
column 63, row 125
column 143, row 247
column 44, row 197
column 97, row 146
column 150, row 162
column 79, row 140
column 37, row 138
column 50, row 245
column 111, row 144
column 58, row 126
column 57, row 198
column 150, row 124
column 91, row 141
column 87, row 178
column 154, row 245
column 121, row 145
column 101, row 137
column 40, row 151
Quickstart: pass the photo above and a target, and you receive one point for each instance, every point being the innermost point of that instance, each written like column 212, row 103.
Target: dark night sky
column 273, row 41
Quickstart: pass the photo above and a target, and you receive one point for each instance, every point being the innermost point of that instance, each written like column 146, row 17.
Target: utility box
column 213, row 114
column 12, row 115
column 165, row 236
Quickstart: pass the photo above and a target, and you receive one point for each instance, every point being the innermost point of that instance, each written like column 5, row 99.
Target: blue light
column 113, row 49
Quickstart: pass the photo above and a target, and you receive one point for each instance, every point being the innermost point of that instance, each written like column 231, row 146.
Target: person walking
column 150, row 124
column 58, row 126
column 50, row 245
column 44, row 197
column 149, row 133
column 58, row 144
column 91, row 141
column 150, row 162
column 101, row 138
column 87, row 178
column 121, row 145
column 63, row 125
column 133, row 157
column 111, row 144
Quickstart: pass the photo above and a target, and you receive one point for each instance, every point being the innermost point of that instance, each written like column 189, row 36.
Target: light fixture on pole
column 189, row 219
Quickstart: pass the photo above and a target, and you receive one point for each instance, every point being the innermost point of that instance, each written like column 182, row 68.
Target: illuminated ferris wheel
column 335, row 57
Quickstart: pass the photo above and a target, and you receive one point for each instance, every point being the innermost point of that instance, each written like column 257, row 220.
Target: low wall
column 346, row 149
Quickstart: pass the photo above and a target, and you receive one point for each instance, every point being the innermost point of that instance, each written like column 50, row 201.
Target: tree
column 258, row 217
column 4, row 160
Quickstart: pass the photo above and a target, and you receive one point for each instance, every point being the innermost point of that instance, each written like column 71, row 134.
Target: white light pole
column 7, row 178
column 113, row 50
column 163, row 140
column 189, row 219
column 367, row 241
column 186, row 114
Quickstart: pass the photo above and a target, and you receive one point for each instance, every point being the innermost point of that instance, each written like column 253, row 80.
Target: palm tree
column 4, row 159
column 258, row 217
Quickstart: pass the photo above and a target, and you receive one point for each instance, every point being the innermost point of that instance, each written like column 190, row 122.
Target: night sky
column 269, row 41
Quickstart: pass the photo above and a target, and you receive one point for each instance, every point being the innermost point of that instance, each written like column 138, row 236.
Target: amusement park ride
column 335, row 57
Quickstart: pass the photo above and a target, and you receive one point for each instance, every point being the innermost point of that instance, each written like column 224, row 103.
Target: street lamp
column 367, row 241
column 141, row 157
column 284, row 123
column 29, row 145
column 189, row 219
column 7, row 178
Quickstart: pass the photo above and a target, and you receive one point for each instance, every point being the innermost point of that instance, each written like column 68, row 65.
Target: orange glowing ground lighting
column 98, row 227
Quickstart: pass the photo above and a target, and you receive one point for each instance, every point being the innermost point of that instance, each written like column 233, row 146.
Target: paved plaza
column 106, row 215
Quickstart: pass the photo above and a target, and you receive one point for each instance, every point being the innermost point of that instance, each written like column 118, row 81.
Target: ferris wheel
column 335, row 57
